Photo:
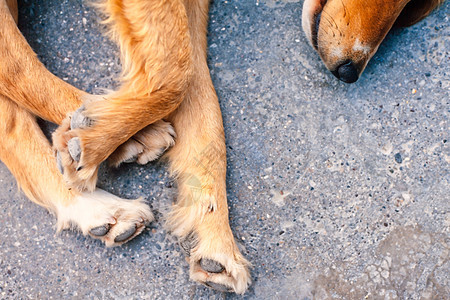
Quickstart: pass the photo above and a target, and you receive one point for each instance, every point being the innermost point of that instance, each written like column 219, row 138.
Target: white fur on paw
column 104, row 216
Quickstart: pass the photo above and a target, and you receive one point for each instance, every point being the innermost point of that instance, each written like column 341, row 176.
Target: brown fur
column 352, row 30
column 165, row 75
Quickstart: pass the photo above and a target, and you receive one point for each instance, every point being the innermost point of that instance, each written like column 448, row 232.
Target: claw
column 59, row 163
column 218, row 286
column 131, row 160
column 188, row 243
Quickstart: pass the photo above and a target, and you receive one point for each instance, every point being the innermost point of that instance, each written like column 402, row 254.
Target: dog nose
column 347, row 72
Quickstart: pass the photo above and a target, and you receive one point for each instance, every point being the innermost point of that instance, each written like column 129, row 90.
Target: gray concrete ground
column 335, row 191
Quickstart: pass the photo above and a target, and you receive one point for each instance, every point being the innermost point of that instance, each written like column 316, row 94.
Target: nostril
column 347, row 72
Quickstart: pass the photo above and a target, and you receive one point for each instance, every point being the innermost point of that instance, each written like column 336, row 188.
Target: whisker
column 333, row 21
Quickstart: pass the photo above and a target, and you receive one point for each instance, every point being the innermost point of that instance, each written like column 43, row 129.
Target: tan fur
column 156, row 50
column 12, row 5
column 352, row 30
column 165, row 75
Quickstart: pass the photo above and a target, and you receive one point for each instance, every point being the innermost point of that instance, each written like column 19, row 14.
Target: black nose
column 346, row 72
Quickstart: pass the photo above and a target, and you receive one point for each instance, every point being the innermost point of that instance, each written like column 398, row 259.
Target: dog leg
column 25, row 80
column 156, row 55
column 198, row 160
column 28, row 155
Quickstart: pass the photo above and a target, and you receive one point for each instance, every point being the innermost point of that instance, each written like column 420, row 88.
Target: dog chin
column 312, row 10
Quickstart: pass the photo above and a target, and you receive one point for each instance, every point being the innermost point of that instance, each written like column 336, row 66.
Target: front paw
column 106, row 217
column 68, row 145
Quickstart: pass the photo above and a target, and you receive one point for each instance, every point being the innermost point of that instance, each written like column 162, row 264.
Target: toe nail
column 130, row 160
column 59, row 162
column 78, row 120
column 218, row 286
column 211, row 266
column 74, row 147
column 100, row 230
column 125, row 235
column 188, row 243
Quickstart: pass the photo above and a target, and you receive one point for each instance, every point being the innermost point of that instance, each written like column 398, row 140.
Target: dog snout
column 347, row 72
column 347, row 33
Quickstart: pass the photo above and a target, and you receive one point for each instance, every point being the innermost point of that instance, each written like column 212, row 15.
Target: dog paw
column 146, row 145
column 81, row 145
column 106, row 217
column 216, row 262
column 68, row 148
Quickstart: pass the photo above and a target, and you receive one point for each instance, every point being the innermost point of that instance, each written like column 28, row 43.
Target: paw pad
column 125, row 235
column 211, row 266
column 74, row 147
column 100, row 230
column 78, row 120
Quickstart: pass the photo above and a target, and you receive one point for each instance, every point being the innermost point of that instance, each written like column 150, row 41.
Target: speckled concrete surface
column 335, row 191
